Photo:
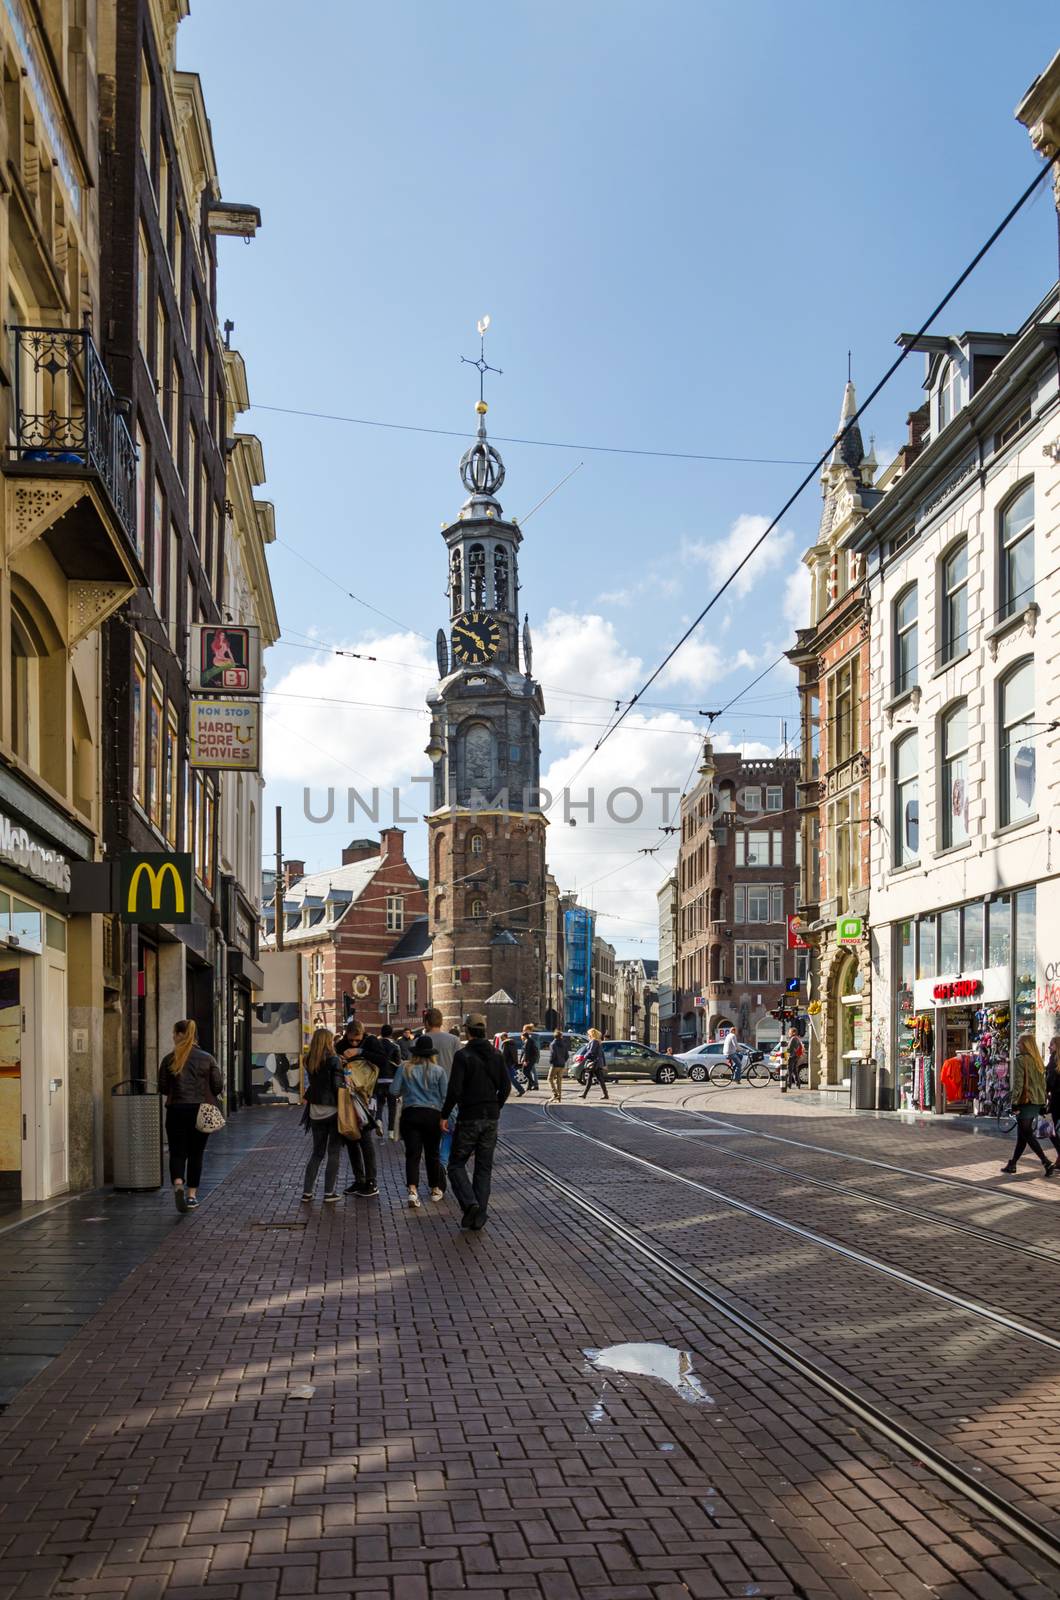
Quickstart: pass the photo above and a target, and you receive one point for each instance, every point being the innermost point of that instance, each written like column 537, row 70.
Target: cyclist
column 733, row 1054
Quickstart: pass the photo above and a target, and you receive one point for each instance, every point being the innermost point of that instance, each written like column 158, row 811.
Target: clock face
column 476, row 638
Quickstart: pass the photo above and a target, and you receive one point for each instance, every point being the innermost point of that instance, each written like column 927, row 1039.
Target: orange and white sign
column 224, row 734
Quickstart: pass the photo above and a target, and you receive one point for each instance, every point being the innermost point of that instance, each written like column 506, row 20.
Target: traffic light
column 792, row 986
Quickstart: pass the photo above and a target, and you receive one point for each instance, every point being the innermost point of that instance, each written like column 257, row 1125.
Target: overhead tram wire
column 958, row 282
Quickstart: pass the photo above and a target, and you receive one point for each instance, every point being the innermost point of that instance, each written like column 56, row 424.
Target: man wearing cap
column 478, row 1087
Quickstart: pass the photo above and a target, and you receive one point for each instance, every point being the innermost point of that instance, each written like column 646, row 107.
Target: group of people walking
column 445, row 1087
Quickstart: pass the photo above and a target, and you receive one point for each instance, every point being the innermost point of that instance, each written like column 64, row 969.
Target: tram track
column 936, row 1218
column 964, row 1184
column 1026, row 1528
column 811, row 1236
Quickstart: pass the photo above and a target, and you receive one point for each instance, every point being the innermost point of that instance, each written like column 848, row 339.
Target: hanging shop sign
column 699, row 1003
column 26, row 854
column 958, row 989
column 848, row 930
column 225, row 659
column 795, row 939
column 224, row 734
column 156, row 887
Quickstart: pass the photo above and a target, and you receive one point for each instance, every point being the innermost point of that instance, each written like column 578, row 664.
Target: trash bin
column 137, row 1126
column 865, row 1084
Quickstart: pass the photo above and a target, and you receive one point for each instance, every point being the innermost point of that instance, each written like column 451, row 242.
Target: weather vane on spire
column 482, row 364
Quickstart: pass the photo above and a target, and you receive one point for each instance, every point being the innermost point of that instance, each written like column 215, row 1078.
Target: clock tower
column 487, row 830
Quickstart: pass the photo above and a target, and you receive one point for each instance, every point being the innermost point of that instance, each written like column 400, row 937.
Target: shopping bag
column 208, row 1118
column 1046, row 1128
column 349, row 1122
column 446, row 1147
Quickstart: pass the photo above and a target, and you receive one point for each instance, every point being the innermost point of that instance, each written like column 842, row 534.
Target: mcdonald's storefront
column 50, row 1004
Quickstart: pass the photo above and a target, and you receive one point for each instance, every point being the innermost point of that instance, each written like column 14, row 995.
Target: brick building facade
column 737, row 872
column 361, row 927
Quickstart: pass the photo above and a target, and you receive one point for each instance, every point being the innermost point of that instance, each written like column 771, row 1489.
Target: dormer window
column 948, row 397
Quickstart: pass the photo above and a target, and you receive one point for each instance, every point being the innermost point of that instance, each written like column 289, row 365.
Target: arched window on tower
column 476, row 577
column 477, row 844
column 500, row 579
column 478, row 908
column 456, row 582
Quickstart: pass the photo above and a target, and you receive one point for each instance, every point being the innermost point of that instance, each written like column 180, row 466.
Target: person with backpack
column 529, row 1056
column 421, row 1084
column 324, row 1079
column 361, row 1077
column 189, row 1078
column 558, row 1056
column 594, row 1067
column 478, row 1087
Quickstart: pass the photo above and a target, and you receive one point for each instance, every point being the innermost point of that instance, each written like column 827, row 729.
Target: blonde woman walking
column 188, row 1077
column 325, row 1077
column 362, row 1076
column 421, row 1082
column 1029, row 1094
column 594, row 1069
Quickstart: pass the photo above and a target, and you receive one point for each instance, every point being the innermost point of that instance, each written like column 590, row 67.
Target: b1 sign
column 225, row 658
column 224, row 734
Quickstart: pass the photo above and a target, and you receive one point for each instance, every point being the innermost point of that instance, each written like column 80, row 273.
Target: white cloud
column 332, row 719
column 723, row 554
column 797, row 597
column 700, row 664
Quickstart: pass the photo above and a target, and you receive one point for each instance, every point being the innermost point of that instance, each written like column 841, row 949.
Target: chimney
column 392, row 845
column 292, row 871
column 358, row 850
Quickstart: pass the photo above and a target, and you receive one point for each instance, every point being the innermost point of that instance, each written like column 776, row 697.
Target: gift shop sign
column 224, row 734
column 962, row 989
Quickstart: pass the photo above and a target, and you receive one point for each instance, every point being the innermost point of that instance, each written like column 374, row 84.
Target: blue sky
column 679, row 217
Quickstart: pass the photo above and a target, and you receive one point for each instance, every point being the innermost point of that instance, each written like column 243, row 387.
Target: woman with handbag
column 594, row 1069
column 422, row 1084
column 324, row 1078
column 191, row 1080
column 1028, row 1093
column 361, row 1077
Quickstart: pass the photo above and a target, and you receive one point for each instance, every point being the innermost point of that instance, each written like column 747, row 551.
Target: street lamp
column 435, row 749
column 707, row 767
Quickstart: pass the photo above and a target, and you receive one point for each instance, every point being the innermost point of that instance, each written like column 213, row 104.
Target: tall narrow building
column 487, row 830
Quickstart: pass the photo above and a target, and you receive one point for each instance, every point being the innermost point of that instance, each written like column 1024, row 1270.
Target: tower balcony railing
column 67, row 421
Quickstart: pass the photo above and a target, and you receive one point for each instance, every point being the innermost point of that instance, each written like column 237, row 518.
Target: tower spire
column 483, row 367
column 481, row 467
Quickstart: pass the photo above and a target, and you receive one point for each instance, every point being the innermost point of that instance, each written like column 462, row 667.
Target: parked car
column 625, row 1058
column 702, row 1057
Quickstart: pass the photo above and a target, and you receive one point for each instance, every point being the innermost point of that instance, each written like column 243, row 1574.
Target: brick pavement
column 974, row 1390
column 455, row 1441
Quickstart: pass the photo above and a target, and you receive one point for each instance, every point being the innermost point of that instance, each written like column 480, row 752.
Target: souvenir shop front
column 965, row 992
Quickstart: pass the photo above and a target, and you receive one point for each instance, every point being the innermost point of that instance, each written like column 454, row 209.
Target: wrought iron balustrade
column 67, row 415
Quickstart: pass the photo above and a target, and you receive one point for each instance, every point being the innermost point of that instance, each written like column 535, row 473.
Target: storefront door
column 10, row 1082
column 55, row 1087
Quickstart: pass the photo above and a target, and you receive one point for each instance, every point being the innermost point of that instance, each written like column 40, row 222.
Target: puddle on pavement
column 662, row 1361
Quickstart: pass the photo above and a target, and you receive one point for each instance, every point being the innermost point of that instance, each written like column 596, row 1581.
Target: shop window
column 999, row 932
column 1016, row 776
column 1016, row 552
column 925, row 948
column 954, row 598
column 54, row 932
column 905, row 640
column 1026, row 1015
column 950, row 941
column 974, row 926
column 953, row 785
column 906, row 810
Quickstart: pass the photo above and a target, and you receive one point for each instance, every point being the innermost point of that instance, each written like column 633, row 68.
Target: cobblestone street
column 279, row 1399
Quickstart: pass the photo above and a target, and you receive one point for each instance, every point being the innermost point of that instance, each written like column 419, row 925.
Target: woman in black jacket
column 594, row 1066
column 189, row 1078
column 326, row 1077
column 1052, row 1087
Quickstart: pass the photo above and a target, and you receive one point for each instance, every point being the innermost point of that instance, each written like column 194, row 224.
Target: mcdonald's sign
column 156, row 887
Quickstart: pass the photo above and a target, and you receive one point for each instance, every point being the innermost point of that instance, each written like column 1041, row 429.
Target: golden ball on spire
column 481, row 407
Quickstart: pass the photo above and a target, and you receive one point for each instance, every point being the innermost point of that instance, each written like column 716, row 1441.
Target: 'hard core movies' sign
column 958, row 989
column 21, row 850
column 224, row 734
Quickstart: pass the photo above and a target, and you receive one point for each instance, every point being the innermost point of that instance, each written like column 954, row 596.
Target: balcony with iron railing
column 67, row 423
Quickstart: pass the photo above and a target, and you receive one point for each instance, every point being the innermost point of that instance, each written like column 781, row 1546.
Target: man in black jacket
column 478, row 1087
column 530, row 1055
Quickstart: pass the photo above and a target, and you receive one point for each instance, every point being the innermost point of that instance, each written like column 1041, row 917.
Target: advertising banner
column 224, row 734
column 156, row 887
column 225, row 659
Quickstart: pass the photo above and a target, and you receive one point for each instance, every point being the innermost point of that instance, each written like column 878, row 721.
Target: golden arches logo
column 156, row 877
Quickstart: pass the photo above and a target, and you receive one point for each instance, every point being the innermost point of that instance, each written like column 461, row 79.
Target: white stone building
column 962, row 562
